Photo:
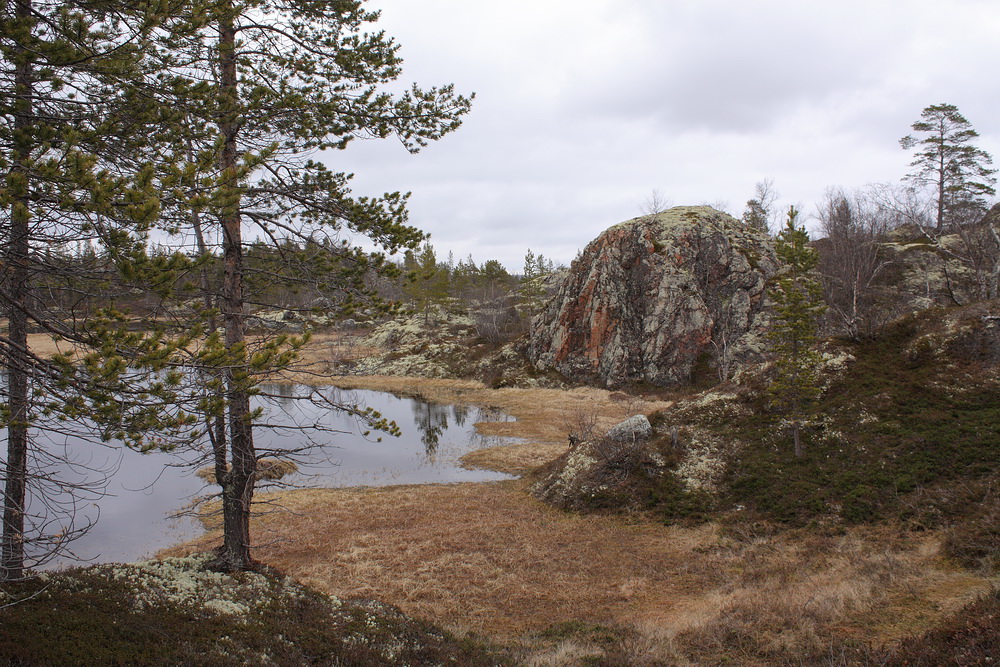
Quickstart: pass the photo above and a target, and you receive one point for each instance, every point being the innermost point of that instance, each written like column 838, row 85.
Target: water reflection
column 434, row 437
column 432, row 421
column 461, row 413
column 146, row 489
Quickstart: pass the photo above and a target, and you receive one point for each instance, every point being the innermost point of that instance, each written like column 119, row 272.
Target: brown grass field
column 489, row 559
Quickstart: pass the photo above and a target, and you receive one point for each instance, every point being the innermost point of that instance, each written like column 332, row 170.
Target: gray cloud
column 585, row 106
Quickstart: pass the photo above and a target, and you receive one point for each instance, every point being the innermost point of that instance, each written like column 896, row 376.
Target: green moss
column 675, row 502
column 914, row 411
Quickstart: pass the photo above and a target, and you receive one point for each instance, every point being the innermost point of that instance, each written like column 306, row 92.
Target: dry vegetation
column 45, row 346
column 489, row 559
column 267, row 469
column 563, row 588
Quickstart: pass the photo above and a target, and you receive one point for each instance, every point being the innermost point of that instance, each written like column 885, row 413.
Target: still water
column 132, row 513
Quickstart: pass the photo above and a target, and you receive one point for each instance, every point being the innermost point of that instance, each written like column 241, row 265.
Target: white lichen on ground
column 185, row 581
column 836, row 360
column 566, row 481
column 256, row 608
column 702, row 464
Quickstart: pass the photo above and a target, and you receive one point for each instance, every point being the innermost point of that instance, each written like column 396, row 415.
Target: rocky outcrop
column 649, row 296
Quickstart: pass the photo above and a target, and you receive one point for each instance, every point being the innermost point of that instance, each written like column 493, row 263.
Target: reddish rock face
column 651, row 295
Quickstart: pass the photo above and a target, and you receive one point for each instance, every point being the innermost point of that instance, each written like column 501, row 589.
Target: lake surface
column 132, row 512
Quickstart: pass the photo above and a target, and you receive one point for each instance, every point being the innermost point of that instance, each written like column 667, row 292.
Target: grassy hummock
column 173, row 611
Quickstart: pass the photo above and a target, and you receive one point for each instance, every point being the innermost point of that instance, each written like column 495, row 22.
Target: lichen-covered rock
column 630, row 430
column 649, row 296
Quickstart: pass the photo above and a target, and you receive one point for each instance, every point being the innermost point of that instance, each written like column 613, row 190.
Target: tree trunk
column 237, row 485
column 216, row 424
column 940, row 186
column 15, row 490
column 796, row 438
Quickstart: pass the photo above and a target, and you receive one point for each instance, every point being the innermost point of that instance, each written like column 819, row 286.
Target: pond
column 132, row 512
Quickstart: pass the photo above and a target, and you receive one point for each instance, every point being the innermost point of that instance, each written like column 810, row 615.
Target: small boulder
column 632, row 429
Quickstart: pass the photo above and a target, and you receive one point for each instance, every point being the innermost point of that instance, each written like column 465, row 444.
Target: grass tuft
column 268, row 469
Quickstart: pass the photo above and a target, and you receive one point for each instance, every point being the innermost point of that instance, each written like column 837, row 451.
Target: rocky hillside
column 905, row 430
column 650, row 296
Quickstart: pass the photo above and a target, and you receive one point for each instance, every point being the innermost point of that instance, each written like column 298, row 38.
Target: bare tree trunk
column 15, row 490
column 940, row 189
column 216, row 423
column 237, row 486
column 797, row 438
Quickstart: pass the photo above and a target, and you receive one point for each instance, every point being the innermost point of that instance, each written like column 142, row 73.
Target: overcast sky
column 584, row 107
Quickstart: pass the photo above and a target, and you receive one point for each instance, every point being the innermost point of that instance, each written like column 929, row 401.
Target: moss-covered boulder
column 651, row 296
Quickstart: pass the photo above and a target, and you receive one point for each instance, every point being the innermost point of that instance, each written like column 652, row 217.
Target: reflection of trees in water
column 432, row 420
column 491, row 414
column 460, row 413
column 283, row 394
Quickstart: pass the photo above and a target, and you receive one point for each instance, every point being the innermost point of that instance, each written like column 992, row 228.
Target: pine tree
column 956, row 171
column 532, row 287
column 754, row 216
column 69, row 75
column 798, row 300
column 265, row 85
column 758, row 212
column 427, row 282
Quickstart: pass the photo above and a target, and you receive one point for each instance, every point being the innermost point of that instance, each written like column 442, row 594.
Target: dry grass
column 794, row 596
column 318, row 358
column 489, row 559
column 267, row 469
column 45, row 346
column 478, row 557
column 314, row 362
column 516, row 459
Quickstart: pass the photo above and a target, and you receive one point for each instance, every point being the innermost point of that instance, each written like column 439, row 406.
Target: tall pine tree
column 264, row 86
column 957, row 172
column 68, row 74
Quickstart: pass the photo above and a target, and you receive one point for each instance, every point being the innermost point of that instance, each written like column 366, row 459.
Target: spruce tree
column 798, row 304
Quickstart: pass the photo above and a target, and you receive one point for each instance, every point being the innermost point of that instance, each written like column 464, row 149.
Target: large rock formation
column 649, row 296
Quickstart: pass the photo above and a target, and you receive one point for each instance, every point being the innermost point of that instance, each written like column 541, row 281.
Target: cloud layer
column 584, row 107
